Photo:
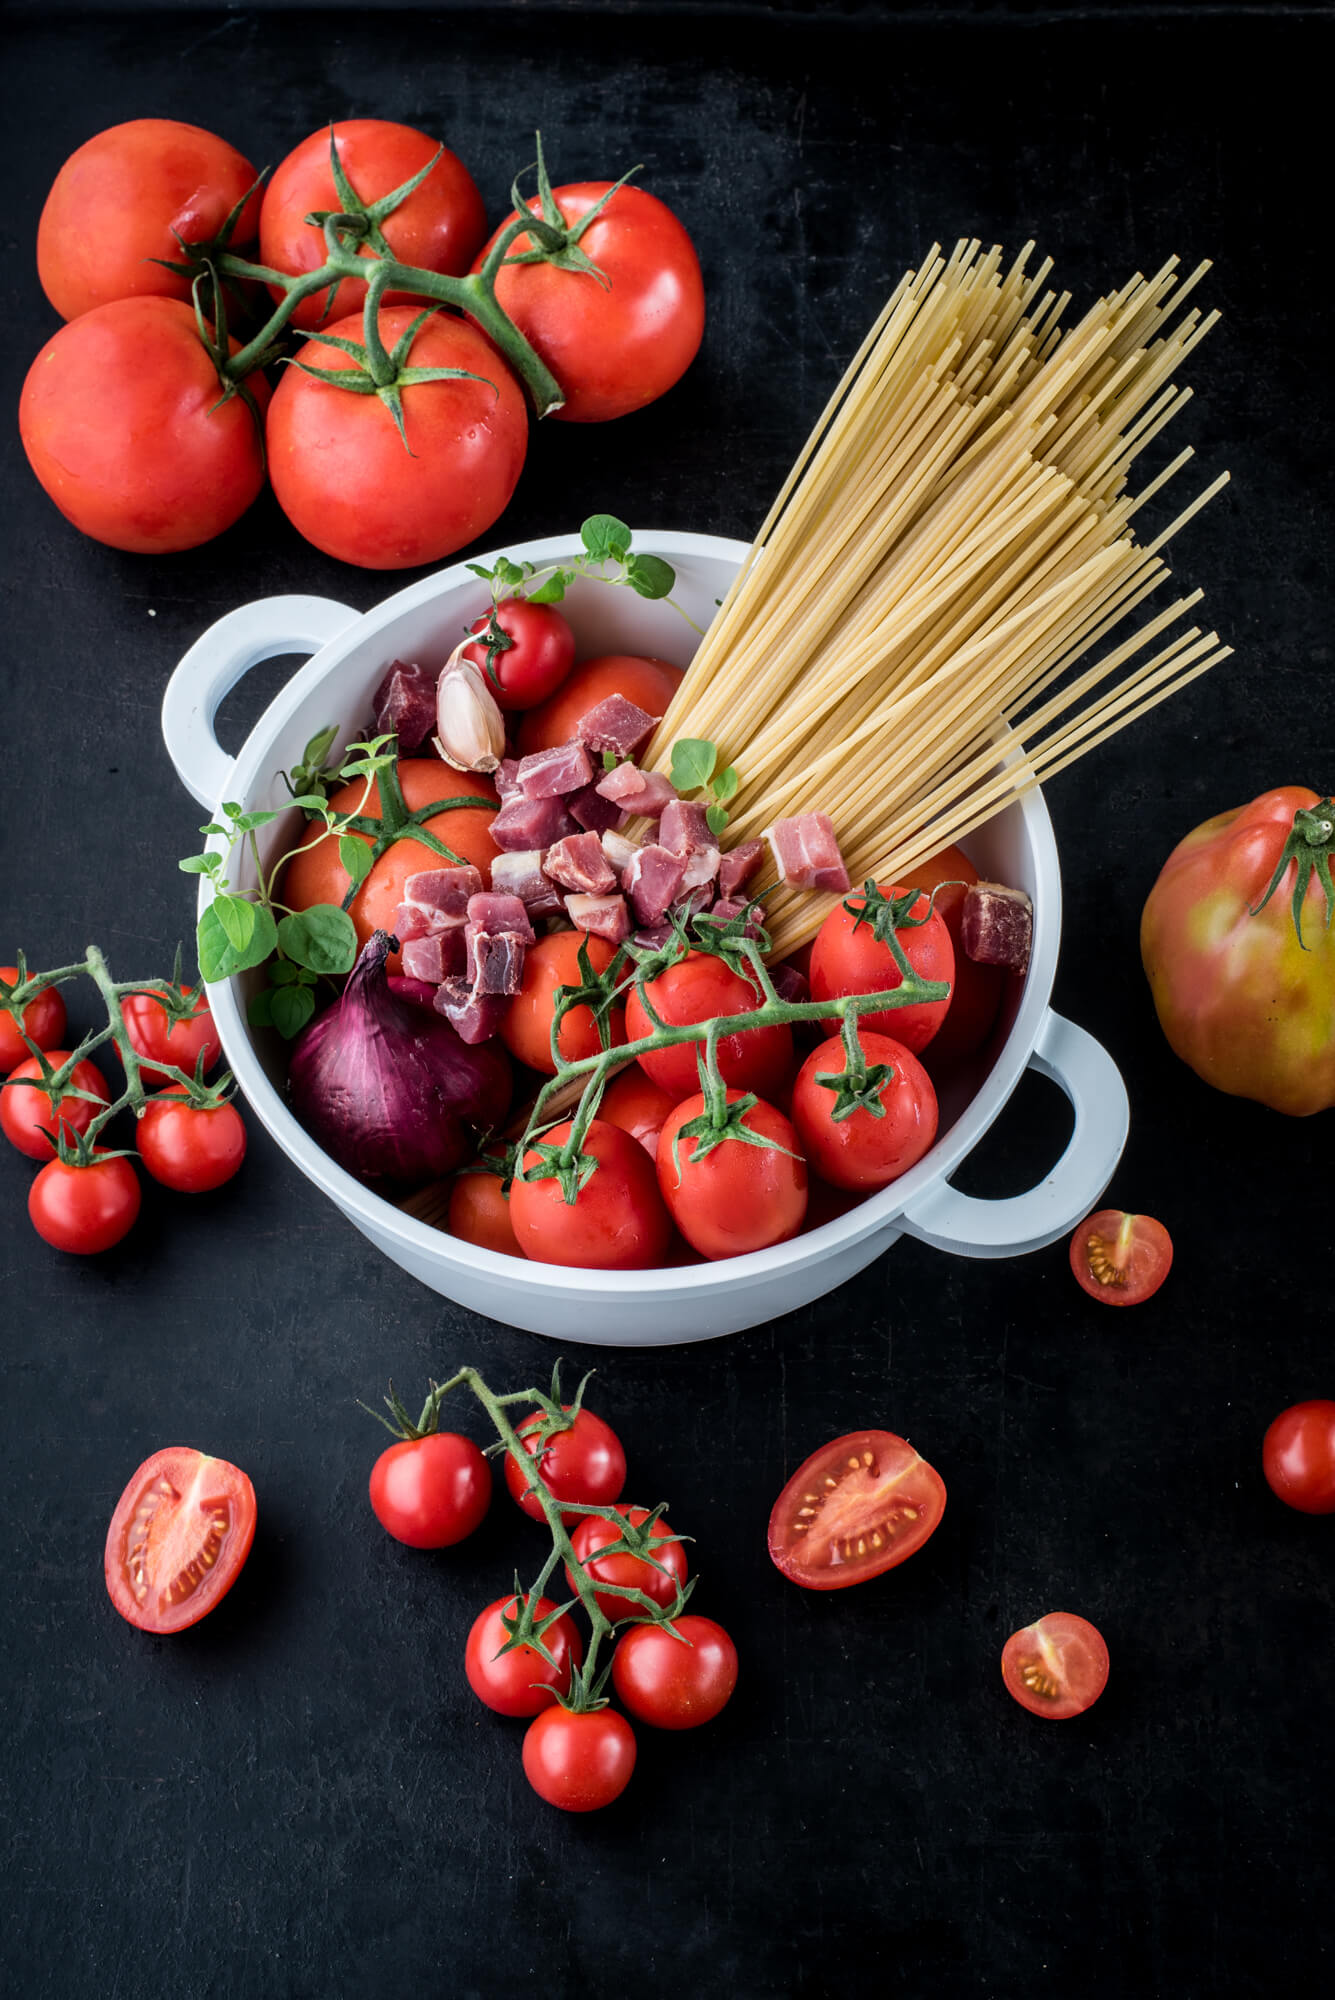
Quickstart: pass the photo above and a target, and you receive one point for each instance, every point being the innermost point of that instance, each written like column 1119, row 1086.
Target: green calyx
column 382, row 372
column 553, row 239
column 1309, row 845
column 859, row 1087
column 888, row 915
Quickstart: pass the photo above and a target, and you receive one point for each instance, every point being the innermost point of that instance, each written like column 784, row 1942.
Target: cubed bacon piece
column 578, row 863
column 605, row 916
column 637, row 791
column 434, row 958
column 692, row 901
column 521, row 875
column 405, row 702
column 443, row 893
column 654, row 936
column 683, row 826
column 997, row 926
column 652, row 880
column 593, row 811
column 619, row 850
column 806, row 852
column 411, row 921
column 524, row 823
column 555, row 773
column 738, row 865
column 494, row 961
column 701, row 870
column 474, row 1017
column 728, row 908
column 506, row 777
column 616, row 724
column 790, row 984
column 498, row 911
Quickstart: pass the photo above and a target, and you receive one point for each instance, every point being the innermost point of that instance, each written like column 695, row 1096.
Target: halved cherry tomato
column 26, row 1116
column 854, row 1509
column 431, row 1492
column 520, row 1681
column 179, row 1538
column 585, row 1463
column 617, row 1221
column 579, row 1762
column 540, row 654
column 181, row 1043
column 84, row 1210
column 649, row 683
column 190, row 1148
column 637, row 1104
column 43, row 1021
column 479, row 1212
column 1057, row 1667
column 1298, row 1457
column 670, row 1684
column 628, row 1571
column 526, row 1026
column 1120, row 1259
column 698, row 988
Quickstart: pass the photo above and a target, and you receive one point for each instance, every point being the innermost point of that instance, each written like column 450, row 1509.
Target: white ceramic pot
column 643, row 1308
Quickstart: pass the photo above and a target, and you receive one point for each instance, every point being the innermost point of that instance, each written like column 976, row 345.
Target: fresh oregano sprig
column 695, row 768
column 608, row 557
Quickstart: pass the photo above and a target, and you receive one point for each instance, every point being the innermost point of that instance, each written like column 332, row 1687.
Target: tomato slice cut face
column 1121, row 1259
column 178, row 1539
column 1057, row 1667
column 855, row 1508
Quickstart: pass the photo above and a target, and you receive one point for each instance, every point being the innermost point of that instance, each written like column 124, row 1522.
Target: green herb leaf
column 199, row 864
column 716, row 818
column 213, row 827
column 554, row 589
column 259, row 1012
column 355, row 856
column 310, row 801
column 219, row 958
column 232, row 810
column 290, row 1008
column 650, row 576
column 693, row 761
column 480, row 569
column 603, row 536
column 323, row 938
column 249, row 821
column 237, row 918
column 508, row 573
column 726, row 783
column 284, row 973
column 609, row 760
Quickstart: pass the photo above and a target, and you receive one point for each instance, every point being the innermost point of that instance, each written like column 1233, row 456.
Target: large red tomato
column 1240, row 998
column 438, row 227
column 649, row 683
column 347, row 481
column 316, row 875
column 617, row 341
column 122, row 420
column 122, row 200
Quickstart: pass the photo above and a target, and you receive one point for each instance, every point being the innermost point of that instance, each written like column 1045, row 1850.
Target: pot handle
column 214, row 665
column 972, row 1228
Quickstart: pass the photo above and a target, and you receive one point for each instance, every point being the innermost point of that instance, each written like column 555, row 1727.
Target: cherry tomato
column 314, row 873
column 42, row 1020
column 1120, row 1259
column 860, row 1151
column 84, row 1209
column 579, row 1762
column 627, row 1571
column 855, row 1508
column 670, row 1685
column 124, row 423
column 26, row 1116
column 649, row 683
column 438, row 227
column 739, row 1196
column 192, row 1148
column 635, row 1103
column 585, row 1463
column 540, row 654
column 846, row 958
column 1057, row 1667
column 698, row 988
column 526, row 1026
column 617, row 1221
column 122, row 200
column 346, row 479
column 1298, row 1457
column 975, row 996
column 520, row 1682
column 156, row 1041
column 479, row 1212
column 179, row 1537
column 617, row 341
column 432, row 1491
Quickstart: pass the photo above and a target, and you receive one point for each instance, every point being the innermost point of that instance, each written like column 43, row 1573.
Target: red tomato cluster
column 143, row 443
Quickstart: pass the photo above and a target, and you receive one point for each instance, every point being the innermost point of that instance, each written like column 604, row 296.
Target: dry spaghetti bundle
column 956, row 536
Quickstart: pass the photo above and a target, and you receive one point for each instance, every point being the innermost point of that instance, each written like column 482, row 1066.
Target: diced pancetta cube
column 506, row 777
column 790, row 984
column 474, row 1017
column 494, row 961
column 578, row 863
column 643, row 792
column 701, row 870
column 997, row 926
column 616, row 724
column 738, row 865
column 443, row 893
column 728, row 909
column 500, row 912
column 521, row 875
column 439, row 956
column 693, row 900
column 604, row 916
column 524, row 823
column 806, row 852
column 411, row 921
column 593, row 811
column 684, row 827
column 618, row 849
column 405, row 702
column 652, row 881
column 552, row 774
column 653, row 936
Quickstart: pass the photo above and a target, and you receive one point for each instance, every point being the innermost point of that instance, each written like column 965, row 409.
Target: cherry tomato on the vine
column 431, row 1492
column 43, row 1021
column 479, row 1212
column 649, row 683
column 637, row 1104
column 579, row 1762
column 617, row 1221
column 1056, row 1667
column 585, row 1463
column 1298, row 1456
column 540, row 654
column 857, row 1507
column 670, row 1684
column 975, row 995
column 860, row 1151
column 526, row 1025
column 628, row 1571
column 520, row 1682
column 84, row 1209
column 192, row 1148
column 697, row 988
column 848, row 958
column 180, row 1043
column 179, row 1538
column 739, row 1196
column 26, row 1116
column 1120, row 1259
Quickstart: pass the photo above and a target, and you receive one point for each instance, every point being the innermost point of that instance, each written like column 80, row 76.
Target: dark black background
column 301, row 1797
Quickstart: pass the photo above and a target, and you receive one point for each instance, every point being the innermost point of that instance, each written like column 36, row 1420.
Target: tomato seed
column 1038, row 1681
column 1101, row 1264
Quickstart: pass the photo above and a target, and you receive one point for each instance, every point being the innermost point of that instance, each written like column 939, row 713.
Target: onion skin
column 388, row 1089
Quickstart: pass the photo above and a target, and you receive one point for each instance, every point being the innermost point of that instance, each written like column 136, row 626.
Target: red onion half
column 387, row 1088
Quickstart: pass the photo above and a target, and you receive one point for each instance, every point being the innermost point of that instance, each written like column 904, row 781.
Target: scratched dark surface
column 301, row 1797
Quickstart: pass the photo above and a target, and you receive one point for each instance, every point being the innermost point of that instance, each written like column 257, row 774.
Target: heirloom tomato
column 850, row 957
column 179, row 1538
column 1244, row 984
column 649, row 683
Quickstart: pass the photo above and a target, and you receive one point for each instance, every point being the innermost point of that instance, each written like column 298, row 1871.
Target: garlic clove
column 470, row 729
